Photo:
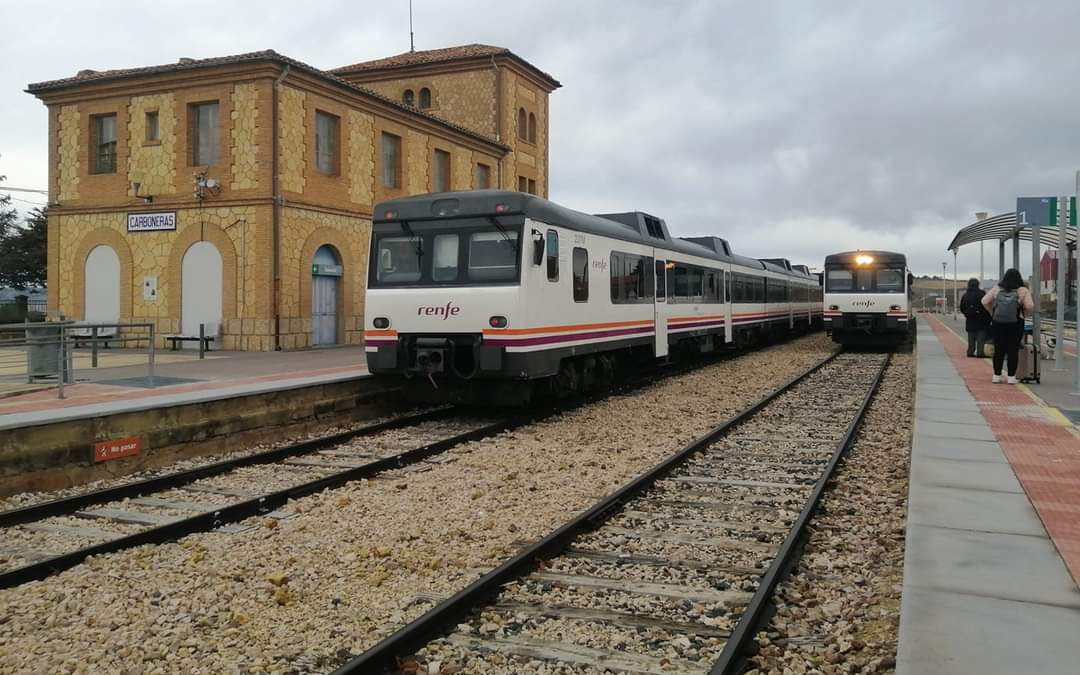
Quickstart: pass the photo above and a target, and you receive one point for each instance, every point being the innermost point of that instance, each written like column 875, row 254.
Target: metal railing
column 47, row 350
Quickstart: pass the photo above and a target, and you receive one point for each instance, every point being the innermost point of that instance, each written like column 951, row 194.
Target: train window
column 630, row 278
column 580, row 264
column 552, row 255
column 661, row 287
column 696, row 281
column 493, row 256
column 839, row 280
column 727, row 287
column 890, row 281
column 399, row 259
column 864, row 280
column 444, row 265
column 682, row 284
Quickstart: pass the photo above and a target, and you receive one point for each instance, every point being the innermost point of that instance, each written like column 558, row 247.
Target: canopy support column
column 1061, row 286
column 1001, row 259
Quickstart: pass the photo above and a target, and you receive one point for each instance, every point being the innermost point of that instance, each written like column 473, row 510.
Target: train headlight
column 863, row 259
column 894, row 308
column 497, row 322
column 833, row 308
column 381, row 322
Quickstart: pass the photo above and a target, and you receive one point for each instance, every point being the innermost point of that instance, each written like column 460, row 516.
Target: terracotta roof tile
column 443, row 55
column 428, row 56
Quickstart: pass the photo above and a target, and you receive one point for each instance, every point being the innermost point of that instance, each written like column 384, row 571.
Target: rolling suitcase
column 1027, row 367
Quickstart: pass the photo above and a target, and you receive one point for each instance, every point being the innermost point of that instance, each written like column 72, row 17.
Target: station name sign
column 150, row 222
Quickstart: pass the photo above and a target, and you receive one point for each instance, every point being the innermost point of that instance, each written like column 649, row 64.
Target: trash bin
column 43, row 351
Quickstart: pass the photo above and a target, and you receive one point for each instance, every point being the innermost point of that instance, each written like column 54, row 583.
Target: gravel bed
column 293, row 596
column 840, row 611
column 254, row 480
column 28, row 498
column 696, row 587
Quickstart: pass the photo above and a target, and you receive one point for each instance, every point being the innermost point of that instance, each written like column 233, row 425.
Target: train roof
column 878, row 256
column 632, row 226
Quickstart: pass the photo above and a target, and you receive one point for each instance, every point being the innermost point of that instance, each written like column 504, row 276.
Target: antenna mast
column 412, row 44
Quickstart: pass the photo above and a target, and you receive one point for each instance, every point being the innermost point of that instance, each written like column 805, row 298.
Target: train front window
column 444, row 266
column 451, row 252
column 399, row 259
column 864, row 280
column 890, row 280
column 839, row 280
column 493, row 256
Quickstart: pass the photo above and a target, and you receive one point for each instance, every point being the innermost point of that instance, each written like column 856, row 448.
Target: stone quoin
column 246, row 177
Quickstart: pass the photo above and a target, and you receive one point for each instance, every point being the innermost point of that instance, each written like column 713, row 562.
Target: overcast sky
column 792, row 128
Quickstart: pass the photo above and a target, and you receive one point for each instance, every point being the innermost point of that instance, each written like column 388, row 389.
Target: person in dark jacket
column 977, row 318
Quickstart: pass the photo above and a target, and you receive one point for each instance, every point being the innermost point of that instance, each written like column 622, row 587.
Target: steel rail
column 265, row 503
column 382, row 657
column 250, row 507
column 732, row 657
column 67, row 505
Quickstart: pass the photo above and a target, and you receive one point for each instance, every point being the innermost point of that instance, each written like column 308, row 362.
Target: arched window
column 522, row 131
column 408, row 98
column 425, row 98
column 532, row 128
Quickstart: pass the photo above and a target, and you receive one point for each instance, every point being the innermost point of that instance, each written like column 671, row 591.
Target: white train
column 868, row 298
column 482, row 295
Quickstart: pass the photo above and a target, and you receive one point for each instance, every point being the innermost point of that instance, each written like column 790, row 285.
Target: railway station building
column 237, row 192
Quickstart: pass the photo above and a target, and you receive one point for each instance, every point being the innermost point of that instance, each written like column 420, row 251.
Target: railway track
column 49, row 537
column 673, row 572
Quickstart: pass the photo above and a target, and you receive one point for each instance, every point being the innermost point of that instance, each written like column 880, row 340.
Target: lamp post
column 944, row 289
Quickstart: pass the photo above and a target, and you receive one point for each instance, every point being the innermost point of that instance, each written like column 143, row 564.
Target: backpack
column 1007, row 306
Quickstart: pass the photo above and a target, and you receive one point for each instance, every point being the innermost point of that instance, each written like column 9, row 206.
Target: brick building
column 237, row 192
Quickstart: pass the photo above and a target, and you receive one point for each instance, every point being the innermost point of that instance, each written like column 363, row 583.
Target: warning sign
column 121, row 447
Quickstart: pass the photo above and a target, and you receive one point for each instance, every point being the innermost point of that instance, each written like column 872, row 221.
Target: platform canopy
column 1003, row 227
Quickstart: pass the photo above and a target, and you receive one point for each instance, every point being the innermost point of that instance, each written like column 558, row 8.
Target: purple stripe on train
column 572, row 337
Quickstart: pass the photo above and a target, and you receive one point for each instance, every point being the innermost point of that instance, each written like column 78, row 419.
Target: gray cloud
column 791, row 128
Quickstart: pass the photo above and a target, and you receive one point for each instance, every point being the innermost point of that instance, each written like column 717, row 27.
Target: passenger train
column 492, row 295
column 868, row 298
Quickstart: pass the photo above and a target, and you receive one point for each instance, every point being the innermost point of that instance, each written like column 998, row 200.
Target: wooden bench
column 175, row 341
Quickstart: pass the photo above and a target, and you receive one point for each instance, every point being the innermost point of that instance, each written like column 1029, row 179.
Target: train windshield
column 861, row 279
column 456, row 252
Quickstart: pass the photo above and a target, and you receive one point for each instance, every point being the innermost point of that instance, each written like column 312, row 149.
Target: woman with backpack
column 978, row 319
column 1008, row 302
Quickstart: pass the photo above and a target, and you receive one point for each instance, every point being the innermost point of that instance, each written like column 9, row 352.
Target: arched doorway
column 201, row 290
column 326, row 272
column 102, row 286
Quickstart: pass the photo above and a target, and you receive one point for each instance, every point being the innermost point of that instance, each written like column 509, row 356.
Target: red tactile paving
column 1044, row 454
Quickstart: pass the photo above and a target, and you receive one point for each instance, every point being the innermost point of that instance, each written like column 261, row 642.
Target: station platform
column 993, row 530
column 119, row 383
column 1057, row 386
column 227, row 401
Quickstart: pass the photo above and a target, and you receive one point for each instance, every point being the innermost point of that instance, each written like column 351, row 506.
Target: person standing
column 1008, row 303
column 977, row 319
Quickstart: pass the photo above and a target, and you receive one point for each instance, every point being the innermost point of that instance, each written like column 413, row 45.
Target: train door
column 659, row 309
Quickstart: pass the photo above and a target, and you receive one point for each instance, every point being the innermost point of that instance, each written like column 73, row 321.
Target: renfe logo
column 445, row 312
column 863, row 303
